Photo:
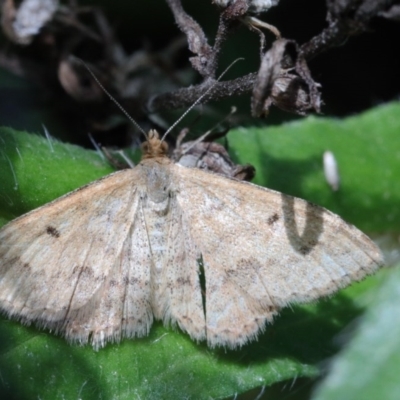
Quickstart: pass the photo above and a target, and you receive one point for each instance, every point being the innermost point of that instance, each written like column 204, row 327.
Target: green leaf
column 168, row 364
column 369, row 368
column 288, row 158
column 36, row 170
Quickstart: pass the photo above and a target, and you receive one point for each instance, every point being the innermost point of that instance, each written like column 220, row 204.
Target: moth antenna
column 110, row 96
column 199, row 99
column 202, row 137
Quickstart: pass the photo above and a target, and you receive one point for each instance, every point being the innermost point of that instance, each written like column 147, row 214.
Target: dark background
column 359, row 74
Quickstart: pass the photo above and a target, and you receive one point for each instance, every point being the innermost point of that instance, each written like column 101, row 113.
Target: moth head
column 153, row 147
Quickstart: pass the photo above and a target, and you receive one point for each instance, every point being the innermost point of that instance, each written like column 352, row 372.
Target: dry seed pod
column 284, row 80
column 212, row 157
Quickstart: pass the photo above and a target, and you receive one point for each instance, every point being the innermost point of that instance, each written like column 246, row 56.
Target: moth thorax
column 153, row 147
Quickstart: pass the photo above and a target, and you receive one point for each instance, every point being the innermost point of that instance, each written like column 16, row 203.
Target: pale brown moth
column 102, row 262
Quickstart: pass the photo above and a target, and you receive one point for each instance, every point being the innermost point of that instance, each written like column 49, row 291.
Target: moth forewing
column 56, row 258
column 276, row 250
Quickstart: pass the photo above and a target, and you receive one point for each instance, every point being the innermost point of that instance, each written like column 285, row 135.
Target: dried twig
column 184, row 97
column 197, row 40
column 289, row 87
column 346, row 18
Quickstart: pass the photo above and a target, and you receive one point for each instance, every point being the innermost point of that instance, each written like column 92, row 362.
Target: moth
column 215, row 256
